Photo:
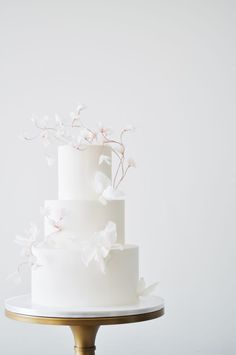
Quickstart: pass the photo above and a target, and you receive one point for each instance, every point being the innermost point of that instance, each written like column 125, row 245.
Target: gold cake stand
column 85, row 329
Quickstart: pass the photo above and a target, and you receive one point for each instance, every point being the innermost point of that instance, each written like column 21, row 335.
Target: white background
column 169, row 68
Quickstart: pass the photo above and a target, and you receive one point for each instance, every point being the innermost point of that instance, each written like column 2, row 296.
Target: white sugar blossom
column 27, row 241
column 131, row 163
column 104, row 130
column 30, row 236
column 46, row 138
column 88, row 135
column 54, row 218
column 101, row 182
column 99, row 246
column 144, row 290
column 79, row 139
column 76, row 115
column 58, row 120
column 104, row 158
column 80, row 107
column 77, row 134
column 120, row 150
column 28, row 258
column 112, row 194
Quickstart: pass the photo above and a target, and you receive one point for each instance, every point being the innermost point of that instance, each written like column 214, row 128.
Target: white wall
column 169, row 68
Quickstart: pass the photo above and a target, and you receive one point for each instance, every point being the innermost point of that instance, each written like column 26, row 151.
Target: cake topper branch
column 76, row 134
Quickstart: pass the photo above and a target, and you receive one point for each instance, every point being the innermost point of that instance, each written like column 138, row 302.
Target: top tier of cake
column 77, row 169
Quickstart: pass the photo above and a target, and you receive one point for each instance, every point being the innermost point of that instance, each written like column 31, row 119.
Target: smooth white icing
column 63, row 281
column 76, row 171
column 84, row 218
column 64, row 277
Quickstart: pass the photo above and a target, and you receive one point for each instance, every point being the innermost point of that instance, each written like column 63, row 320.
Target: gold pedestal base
column 85, row 329
column 84, row 336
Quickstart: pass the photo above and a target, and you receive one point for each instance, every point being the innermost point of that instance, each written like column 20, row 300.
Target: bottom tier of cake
column 62, row 280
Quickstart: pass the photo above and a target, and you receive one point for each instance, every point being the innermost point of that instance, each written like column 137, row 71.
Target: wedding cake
column 83, row 259
column 86, row 263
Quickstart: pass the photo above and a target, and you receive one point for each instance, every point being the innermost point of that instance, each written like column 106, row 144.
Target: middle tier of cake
column 81, row 219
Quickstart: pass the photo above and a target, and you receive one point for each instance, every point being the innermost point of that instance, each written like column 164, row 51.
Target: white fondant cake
column 64, row 281
column 83, row 218
column 84, row 261
column 76, row 171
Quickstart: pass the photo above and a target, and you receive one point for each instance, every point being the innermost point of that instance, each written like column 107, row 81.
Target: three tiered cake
column 86, row 261
column 83, row 259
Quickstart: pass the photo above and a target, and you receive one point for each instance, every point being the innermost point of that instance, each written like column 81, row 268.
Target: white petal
column 112, row 194
column 59, row 120
column 104, row 130
column 99, row 246
column 131, row 162
column 101, row 262
column 142, row 290
column 141, row 285
column 102, row 200
column 104, row 158
column 56, row 215
column 80, row 107
column 87, row 254
column 109, row 234
column 150, row 289
column 101, row 182
column 32, row 232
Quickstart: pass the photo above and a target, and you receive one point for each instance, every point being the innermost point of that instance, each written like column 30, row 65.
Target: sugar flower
column 104, row 158
column 144, row 290
column 112, row 194
column 101, row 182
column 99, row 246
column 131, row 163
column 26, row 242
column 55, row 218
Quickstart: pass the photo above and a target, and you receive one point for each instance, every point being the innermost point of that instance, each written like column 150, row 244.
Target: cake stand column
column 84, row 336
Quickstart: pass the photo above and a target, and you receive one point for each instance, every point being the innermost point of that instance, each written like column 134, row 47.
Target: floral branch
column 75, row 133
column 27, row 243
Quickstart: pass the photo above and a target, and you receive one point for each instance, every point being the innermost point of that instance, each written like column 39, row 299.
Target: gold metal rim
column 85, row 321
